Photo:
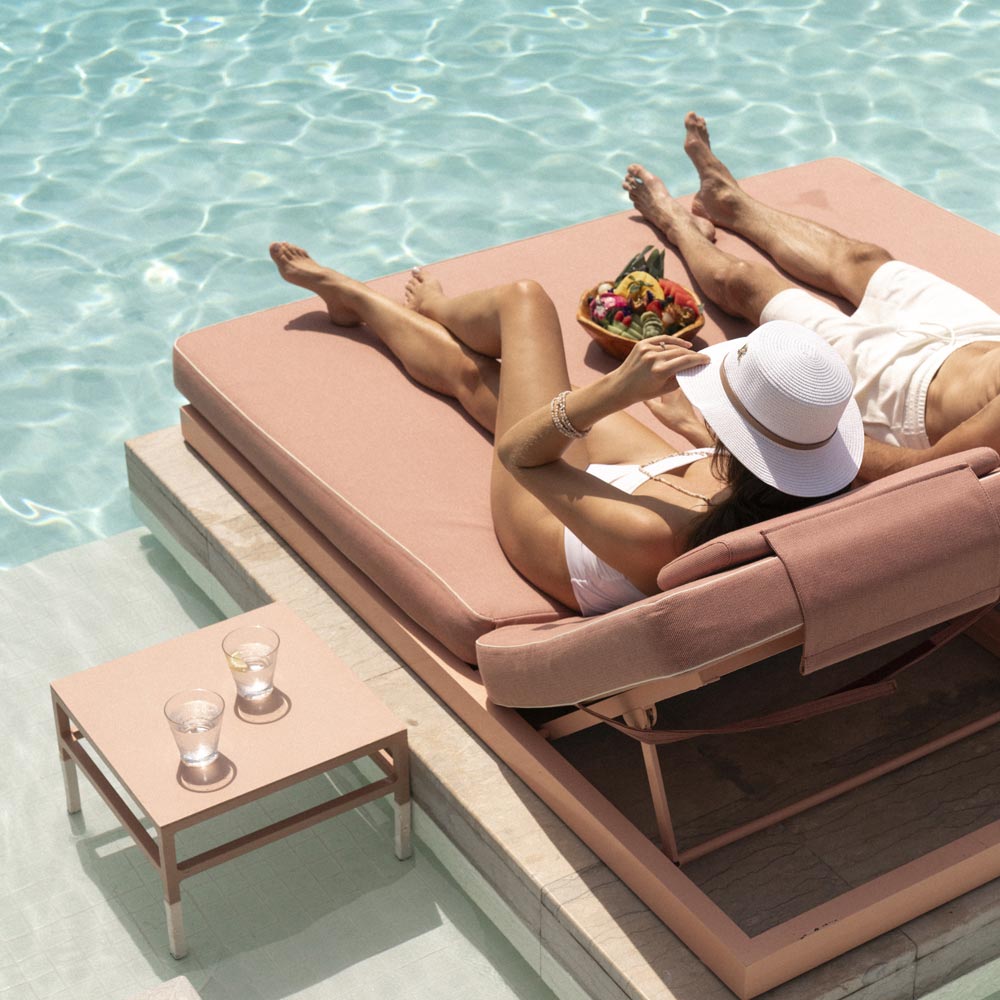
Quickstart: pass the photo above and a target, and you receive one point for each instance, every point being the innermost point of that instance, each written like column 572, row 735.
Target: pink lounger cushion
column 402, row 489
column 397, row 477
column 382, row 488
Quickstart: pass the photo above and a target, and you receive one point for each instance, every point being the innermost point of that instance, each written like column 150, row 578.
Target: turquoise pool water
column 149, row 153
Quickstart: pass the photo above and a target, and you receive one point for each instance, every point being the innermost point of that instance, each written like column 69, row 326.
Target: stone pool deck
column 572, row 916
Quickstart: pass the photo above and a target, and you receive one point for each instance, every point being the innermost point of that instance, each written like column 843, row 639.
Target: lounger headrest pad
column 899, row 555
column 867, row 574
column 749, row 544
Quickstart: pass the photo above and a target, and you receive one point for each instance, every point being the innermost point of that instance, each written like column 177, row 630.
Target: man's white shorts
column 908, row 322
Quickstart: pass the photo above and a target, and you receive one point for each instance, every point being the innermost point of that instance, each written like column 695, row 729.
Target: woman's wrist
column 696, row 432
column 560, row 418
column 544, row 435
column 593, row 402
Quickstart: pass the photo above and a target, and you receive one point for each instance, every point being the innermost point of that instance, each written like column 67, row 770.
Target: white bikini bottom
column 596, row 585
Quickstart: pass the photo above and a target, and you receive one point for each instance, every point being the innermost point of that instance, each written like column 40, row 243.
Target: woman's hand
column 648, row 372
column 652, row 365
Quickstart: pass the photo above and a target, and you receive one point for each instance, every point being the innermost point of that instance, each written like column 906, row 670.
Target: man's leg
column 742, row 288
column 812, row 253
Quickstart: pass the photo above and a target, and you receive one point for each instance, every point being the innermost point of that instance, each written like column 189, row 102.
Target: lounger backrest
column 878, row 563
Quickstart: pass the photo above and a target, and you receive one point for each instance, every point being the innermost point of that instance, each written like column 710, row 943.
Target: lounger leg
column 643, row 718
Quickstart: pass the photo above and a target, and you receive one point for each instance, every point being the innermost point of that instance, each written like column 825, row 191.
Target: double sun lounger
column 382, row 488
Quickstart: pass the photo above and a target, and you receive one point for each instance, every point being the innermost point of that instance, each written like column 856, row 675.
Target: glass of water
column 195, row 719
column 252, row 652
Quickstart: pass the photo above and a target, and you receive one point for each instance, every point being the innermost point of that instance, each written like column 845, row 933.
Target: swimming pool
column 150, row 153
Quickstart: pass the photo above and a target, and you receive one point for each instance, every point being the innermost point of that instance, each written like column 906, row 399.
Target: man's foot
column 298, row 268
column 656, row 205
column 422, row 292
column 719, row 196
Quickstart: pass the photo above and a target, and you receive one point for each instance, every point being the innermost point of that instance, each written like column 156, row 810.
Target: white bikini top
column 628, row 478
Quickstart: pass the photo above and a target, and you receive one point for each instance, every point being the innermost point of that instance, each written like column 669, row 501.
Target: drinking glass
column 252, row 652
column 195, row 719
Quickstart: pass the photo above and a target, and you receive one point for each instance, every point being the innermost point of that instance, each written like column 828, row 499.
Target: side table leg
column 172, row 894
column 71, row 781
column 403, row 811
column 400, row 751
column 175, row 928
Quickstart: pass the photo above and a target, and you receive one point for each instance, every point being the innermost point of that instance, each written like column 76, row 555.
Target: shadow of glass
column 209, row 778
column 263, row 711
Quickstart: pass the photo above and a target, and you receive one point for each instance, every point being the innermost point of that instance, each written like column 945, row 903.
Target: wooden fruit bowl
column 615, row 344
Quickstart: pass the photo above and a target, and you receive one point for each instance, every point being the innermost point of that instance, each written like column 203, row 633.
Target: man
column 925, row 355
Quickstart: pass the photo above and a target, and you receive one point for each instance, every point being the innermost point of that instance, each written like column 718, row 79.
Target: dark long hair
column 750, row 500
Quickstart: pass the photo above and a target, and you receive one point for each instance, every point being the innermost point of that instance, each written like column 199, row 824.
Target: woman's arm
column 636, row 535
column 648, row 371
column 674, row 410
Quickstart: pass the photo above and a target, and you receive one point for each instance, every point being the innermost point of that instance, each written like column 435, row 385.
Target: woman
column 585, row 502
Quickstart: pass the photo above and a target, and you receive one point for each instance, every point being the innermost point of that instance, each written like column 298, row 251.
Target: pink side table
column 319, row 717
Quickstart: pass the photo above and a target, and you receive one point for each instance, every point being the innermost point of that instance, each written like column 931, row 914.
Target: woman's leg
column 489, row 323
column 519, row 323
column 428, row 352
column 474, row 318
column 530, row 535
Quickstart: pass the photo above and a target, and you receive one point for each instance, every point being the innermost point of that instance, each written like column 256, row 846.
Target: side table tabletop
column 319, row 717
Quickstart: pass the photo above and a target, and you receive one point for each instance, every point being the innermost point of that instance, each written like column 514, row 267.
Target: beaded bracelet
column 560, row 420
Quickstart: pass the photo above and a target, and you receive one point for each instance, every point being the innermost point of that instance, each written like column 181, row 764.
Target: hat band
column 758, row 426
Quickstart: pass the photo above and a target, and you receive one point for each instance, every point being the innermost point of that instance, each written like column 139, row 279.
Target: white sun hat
column 781, row 400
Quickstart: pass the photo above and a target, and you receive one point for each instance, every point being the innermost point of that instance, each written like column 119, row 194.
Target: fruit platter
column 639, row 303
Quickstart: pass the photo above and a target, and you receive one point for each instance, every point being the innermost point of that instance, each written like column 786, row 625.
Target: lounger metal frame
column 637, row 710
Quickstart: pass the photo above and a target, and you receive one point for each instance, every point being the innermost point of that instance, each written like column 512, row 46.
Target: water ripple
column 150, row 153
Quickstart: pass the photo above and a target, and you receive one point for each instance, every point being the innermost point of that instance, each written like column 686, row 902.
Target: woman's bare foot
column 422, row 292
column 720, row 196
column 335, row 289
column 656, row 205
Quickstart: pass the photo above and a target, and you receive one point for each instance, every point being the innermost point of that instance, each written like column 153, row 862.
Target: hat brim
column 815, row 472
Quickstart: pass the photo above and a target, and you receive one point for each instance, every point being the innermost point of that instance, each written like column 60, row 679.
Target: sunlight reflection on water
column 150, row 155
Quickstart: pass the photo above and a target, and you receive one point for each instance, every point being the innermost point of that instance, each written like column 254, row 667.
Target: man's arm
column 982, row 429
column 881, row 460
